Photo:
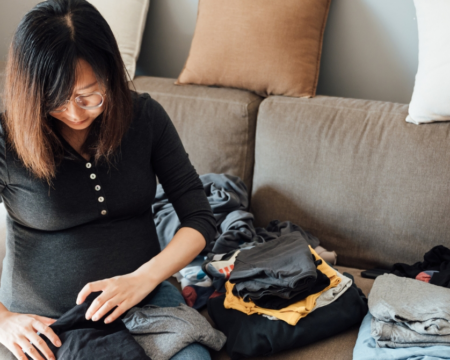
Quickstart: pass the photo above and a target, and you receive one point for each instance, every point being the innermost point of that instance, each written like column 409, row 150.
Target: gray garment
column 331, row 295
column 60, row 238
column 169, row 329
column 228, row 198
column 408, row 312
column 397, row 335
column 288, row 269
column 277, row 228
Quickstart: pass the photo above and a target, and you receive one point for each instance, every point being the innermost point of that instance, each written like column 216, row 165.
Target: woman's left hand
column 122, row 291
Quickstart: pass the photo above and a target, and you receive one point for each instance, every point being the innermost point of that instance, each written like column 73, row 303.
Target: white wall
column 370, row 46
column 11, row 12
column 369, row 52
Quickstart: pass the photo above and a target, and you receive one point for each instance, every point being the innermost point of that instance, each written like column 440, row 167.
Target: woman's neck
column 75, row 138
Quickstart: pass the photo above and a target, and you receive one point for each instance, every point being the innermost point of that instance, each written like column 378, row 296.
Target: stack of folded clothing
column 407, row 319
column 283, row 287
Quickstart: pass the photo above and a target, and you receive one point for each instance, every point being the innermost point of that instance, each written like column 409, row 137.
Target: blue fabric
column 365, row 348
column 168, row 296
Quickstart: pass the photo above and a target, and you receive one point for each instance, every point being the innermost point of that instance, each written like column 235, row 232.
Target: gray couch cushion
column 369, row 185
column 216, row 125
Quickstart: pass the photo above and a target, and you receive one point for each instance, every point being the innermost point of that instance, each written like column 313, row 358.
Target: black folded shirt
column 93, row 340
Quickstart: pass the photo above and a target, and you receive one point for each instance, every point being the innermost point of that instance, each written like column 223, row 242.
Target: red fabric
column 189, row 295
column 423, row 277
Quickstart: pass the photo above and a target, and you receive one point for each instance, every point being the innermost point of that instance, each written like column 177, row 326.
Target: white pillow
column 431, row 97
column 127, row 21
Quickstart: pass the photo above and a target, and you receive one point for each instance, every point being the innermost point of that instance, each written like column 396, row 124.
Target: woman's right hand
column 18, row 330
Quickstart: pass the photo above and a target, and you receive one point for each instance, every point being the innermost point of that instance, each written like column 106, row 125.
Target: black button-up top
column 96, row 221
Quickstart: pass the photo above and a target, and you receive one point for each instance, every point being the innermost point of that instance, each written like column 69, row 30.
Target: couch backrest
column 216, row 125
column 372, row 187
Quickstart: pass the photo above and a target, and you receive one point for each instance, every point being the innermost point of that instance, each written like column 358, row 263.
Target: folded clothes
column 169, row 329
column 291, row 314
column 288, row 270
column 407, row 312
column 366, row 348
column 255, row 335
column 277, row 303
column 328, row 296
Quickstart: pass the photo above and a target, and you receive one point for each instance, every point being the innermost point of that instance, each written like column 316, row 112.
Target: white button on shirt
column 101, row 199
column 97, row 187
column 93, row 176
column 103, row 212
column 88, row 165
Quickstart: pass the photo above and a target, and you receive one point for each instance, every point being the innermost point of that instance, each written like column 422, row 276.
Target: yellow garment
column 294, row 312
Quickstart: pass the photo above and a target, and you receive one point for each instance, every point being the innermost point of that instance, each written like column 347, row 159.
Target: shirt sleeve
column 177, row 176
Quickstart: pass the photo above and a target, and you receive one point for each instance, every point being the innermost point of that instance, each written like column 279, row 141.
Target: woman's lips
column 78, row 122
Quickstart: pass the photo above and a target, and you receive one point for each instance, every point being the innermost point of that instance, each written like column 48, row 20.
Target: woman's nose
column 74, row 112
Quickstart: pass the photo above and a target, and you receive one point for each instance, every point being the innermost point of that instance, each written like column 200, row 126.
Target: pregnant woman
column 79, row 156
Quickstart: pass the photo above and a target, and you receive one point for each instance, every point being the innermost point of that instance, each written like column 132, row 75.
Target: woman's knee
column 194, row 351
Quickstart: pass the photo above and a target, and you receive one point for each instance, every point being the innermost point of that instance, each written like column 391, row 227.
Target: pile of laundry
column 259, row 282
column 282, row 295
column 205, row 277
column 409, row 312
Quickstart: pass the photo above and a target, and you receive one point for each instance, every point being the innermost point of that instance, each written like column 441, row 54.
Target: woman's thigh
column 168, row 296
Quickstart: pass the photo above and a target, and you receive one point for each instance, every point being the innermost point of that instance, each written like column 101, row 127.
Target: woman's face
column 75, row 117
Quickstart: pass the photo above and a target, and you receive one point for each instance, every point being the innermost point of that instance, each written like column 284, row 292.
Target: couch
column 370, row 186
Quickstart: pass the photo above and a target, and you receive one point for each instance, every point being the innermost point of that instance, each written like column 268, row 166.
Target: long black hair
column 41, row 72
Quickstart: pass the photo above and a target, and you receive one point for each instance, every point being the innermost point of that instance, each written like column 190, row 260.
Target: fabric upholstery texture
column 216, row 125
column 430, row 100
column 127, row 21
column 369, row 185
column 279, row 54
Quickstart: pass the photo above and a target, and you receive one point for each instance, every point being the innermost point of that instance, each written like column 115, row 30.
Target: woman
column 80, row 153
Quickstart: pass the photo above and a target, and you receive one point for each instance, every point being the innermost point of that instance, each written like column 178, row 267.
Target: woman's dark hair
column 41, row 73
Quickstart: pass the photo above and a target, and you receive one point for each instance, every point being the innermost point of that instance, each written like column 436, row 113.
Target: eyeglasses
column 88, row 102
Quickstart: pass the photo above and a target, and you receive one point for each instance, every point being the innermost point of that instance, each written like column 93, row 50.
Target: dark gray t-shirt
column 96, row 222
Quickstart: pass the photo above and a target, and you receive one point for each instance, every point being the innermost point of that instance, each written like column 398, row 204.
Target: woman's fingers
column 40, row 344
column 89, row 288
column 120, row 309
column 17, row 352
column 29, row 349
column 44, row 320
column 104, row 309
column 47, row 332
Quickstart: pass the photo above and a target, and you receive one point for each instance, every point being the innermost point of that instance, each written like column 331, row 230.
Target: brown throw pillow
column 266, row 46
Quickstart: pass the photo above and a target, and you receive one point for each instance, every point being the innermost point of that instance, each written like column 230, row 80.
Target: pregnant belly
column 44, row 272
